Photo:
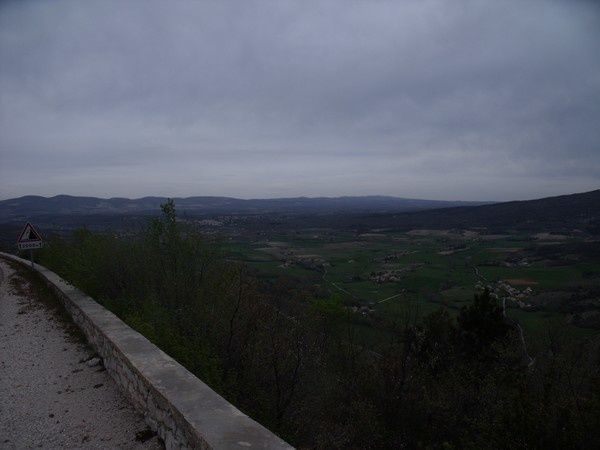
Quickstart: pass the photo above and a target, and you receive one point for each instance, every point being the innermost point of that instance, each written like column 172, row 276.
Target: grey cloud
column 448, row 100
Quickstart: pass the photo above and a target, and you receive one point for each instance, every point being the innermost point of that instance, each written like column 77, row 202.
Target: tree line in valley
column 297, row 368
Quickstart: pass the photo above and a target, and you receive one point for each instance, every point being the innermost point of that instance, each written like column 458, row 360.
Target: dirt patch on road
column 28, row 285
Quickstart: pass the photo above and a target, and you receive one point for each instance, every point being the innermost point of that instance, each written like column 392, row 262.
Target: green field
column 435, row 269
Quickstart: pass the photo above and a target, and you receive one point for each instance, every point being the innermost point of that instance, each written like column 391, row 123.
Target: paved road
column 50, row 397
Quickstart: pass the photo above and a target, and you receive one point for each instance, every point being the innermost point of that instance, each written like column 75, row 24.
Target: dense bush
column 438, row 383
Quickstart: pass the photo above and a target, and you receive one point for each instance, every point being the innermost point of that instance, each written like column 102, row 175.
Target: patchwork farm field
column 543, row 280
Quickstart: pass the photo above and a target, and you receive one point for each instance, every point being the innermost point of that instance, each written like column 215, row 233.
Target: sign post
column 29, row 239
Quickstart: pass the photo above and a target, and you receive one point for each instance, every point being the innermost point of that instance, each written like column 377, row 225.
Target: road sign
column 29, row 238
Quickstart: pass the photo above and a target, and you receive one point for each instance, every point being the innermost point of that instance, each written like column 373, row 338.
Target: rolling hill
column 564, row 213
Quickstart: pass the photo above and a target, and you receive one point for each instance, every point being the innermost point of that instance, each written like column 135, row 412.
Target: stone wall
column 184, row 411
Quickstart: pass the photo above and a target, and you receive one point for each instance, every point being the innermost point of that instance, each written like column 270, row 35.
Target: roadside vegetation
column 294, row 357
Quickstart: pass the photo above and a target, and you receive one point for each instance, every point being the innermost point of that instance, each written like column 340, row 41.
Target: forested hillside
column 292, row 360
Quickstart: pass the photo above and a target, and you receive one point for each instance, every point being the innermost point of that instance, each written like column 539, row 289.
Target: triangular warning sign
column 29, row 234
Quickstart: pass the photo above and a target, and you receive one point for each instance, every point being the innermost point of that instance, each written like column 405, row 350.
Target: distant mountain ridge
column 32, row 205
column 565, row 213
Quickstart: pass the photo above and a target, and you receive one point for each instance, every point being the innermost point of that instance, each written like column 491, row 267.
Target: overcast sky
column 481, row 100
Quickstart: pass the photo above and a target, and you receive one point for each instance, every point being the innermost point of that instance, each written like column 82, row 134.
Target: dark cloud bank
column 432, row 99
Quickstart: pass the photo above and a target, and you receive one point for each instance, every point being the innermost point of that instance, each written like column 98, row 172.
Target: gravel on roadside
column 54, row 393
